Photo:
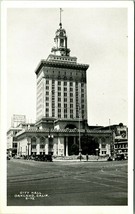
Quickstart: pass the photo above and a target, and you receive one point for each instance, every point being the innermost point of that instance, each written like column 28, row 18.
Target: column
column 66, row 146
column 38, row 146
column 61, row 146
column 29, row 145
column 18, row 148
column 108, row 149
column 55, row 146
column 100, row 146
column 46, row 145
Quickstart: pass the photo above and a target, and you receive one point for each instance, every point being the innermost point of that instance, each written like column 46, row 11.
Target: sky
column 96, row 36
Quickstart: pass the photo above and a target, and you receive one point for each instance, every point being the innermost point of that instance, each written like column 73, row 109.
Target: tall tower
column 61, row 86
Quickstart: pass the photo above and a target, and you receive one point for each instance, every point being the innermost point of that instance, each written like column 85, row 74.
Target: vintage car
column 120, row 157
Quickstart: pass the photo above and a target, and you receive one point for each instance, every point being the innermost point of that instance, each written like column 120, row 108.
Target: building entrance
column 89, row 145
column 73, row 147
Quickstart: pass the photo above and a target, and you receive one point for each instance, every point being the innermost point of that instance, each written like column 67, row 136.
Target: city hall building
column 61, row 127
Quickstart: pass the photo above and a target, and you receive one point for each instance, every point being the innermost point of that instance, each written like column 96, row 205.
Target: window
column 42, row 146
column 71, row 105
column 47, row 104
column 65, row 99
column 82, row 100
column 103, row 152
column 83, row 95
column 53, row 105
column 82, row 112
column 47, row 109
column 65, row 105
column 59, row 110
column 65, row 94
column 33, row 146
column 47, row 98
column 47, row 82
column 65, row 110
column 59, row 82
column 47, row 92
column 59, row 99
column 71, row 115
column 59, row 93
column 14, row 145
column 59, row 88
column 65, row 89
column 65, row 115
column 47, row 115
column 103, row 146
column 65, row 83
column 71, row 94
column 71, row 89
column 82, row 85
column 47, row 87
column 59, row 115
column 71, row 100
column 71, row 83
column 59, row 104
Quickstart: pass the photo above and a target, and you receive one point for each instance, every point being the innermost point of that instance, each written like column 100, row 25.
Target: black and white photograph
column 67, row 91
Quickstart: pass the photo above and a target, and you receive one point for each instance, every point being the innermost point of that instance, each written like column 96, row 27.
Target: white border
column 130, row 106
column 70, row 4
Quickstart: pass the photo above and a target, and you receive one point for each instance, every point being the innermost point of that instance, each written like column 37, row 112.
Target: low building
column 12, row 141
column 120, row 137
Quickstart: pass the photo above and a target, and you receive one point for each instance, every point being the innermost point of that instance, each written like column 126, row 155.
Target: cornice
column 59, row 64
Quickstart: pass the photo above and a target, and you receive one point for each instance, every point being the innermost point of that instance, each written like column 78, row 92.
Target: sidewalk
column 75, row 159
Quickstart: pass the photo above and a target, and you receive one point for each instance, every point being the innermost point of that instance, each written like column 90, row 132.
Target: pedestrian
column 87, row 157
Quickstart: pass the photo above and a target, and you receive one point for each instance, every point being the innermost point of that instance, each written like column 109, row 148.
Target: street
column 33, row 183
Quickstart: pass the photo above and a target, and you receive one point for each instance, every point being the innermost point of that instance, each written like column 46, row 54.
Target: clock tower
column 61, row 87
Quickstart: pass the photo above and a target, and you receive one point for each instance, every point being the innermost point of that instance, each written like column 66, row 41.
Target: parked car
column 43, row 158
column 17, row 157
column 110, row 159
column 120, row 157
